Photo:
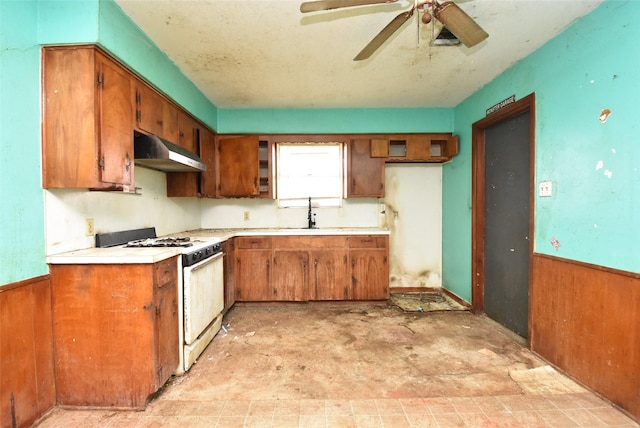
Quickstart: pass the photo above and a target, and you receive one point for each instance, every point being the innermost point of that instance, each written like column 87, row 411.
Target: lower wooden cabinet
column 115, row 332
column 321, row 267
column 253, row 269
column 229, row 249
column 330, row 274
column 369, row 263
column 290, row 281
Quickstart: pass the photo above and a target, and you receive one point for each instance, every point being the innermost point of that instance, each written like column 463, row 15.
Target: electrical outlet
column 545, row 189
column 247, row 216
column 89, row 230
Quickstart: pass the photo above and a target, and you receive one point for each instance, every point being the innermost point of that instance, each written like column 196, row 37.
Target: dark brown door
column 506, row 246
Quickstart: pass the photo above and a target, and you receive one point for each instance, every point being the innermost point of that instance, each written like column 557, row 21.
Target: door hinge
column 138, row 116
column 101, row 80
column 157, row 311
column 101, row 163
column 138, row 98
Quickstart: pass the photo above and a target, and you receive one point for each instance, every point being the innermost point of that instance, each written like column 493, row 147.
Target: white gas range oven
column 200, row 287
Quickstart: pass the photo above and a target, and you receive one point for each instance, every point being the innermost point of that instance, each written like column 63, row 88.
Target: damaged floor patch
column 424, row 302
column 544, row 380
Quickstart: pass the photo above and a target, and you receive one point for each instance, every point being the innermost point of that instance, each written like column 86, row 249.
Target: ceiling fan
column 448, row 13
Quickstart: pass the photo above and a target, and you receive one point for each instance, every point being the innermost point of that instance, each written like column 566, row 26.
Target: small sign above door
column 502, row 104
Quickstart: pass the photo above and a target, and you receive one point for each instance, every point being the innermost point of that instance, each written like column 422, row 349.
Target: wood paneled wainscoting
column 586, row 321
column 27, row 385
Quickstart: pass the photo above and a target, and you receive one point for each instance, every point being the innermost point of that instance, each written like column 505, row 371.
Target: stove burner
column 161, row 242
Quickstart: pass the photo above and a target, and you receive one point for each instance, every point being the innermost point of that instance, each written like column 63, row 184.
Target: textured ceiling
column 266, row 54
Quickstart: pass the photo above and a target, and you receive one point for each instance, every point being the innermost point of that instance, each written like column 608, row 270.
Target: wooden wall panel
column 27, row 385
column 586, row 321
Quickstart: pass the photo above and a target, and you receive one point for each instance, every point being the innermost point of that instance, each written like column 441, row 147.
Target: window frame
column 318, row 201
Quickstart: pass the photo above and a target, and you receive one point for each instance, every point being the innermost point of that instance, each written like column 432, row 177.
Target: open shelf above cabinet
column 439, row 147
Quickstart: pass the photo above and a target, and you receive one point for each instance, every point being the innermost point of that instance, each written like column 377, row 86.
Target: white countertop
column 114, row 255
column 126, row 255
column 225, row 234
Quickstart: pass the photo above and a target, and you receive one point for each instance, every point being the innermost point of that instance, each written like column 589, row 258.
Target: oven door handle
column 203, row 263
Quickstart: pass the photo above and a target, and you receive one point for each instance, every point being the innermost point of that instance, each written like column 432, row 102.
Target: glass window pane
column 309, row 170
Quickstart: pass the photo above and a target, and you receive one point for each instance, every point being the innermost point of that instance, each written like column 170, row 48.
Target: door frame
column 527, row 103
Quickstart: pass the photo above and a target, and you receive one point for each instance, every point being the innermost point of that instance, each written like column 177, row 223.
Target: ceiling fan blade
column 460, row 24
column 315, row 6
column 383, row 35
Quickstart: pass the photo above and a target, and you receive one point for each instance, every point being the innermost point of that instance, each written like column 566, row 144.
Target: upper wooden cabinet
column 155, row 114
column 91, row 107
column 87, row 120
column 188, row 133
column 365, row 173
column 439, row 147
column 208, row 186
column 238, row 166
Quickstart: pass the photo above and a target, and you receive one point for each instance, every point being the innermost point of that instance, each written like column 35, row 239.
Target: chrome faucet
column 311, row 217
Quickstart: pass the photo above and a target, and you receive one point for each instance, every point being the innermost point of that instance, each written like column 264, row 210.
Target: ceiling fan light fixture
column 460, row 24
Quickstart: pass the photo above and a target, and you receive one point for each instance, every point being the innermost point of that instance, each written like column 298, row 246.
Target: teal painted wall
column 25, row 25
column 21, row 197
column 120, row 36
column 103, row 22
column 595, row 167
column 305, row 121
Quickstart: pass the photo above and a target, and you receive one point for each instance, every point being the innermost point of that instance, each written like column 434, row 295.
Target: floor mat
column 424, row 302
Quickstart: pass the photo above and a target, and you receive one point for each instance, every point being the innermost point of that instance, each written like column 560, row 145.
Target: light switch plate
column 545, row 189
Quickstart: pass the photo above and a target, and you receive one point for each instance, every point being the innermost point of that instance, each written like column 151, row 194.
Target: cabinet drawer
column 253, row 242
column 166, row 272
column 367, row 241
column 309, row 242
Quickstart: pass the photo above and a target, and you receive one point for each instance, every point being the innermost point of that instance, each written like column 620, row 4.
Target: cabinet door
column 188, row 130
column 238, row 166
column 228, row 247
column 69, row 147
column 167, row 339
column 149, row 110
column 208, row 156
column 290, row 275
column 366, row 174
column 104, row 331
column 369, row 274
column 253, row 275
column 330, row 275
column 116, row 124
column 187, row 183
column 87, row 130
column 418, row 147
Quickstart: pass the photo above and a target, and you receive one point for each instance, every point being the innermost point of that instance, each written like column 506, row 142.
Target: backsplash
column 67, row 210
column 264, row 213
column 411, row 210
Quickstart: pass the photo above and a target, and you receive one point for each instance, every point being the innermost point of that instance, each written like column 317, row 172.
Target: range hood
column 157, row 153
